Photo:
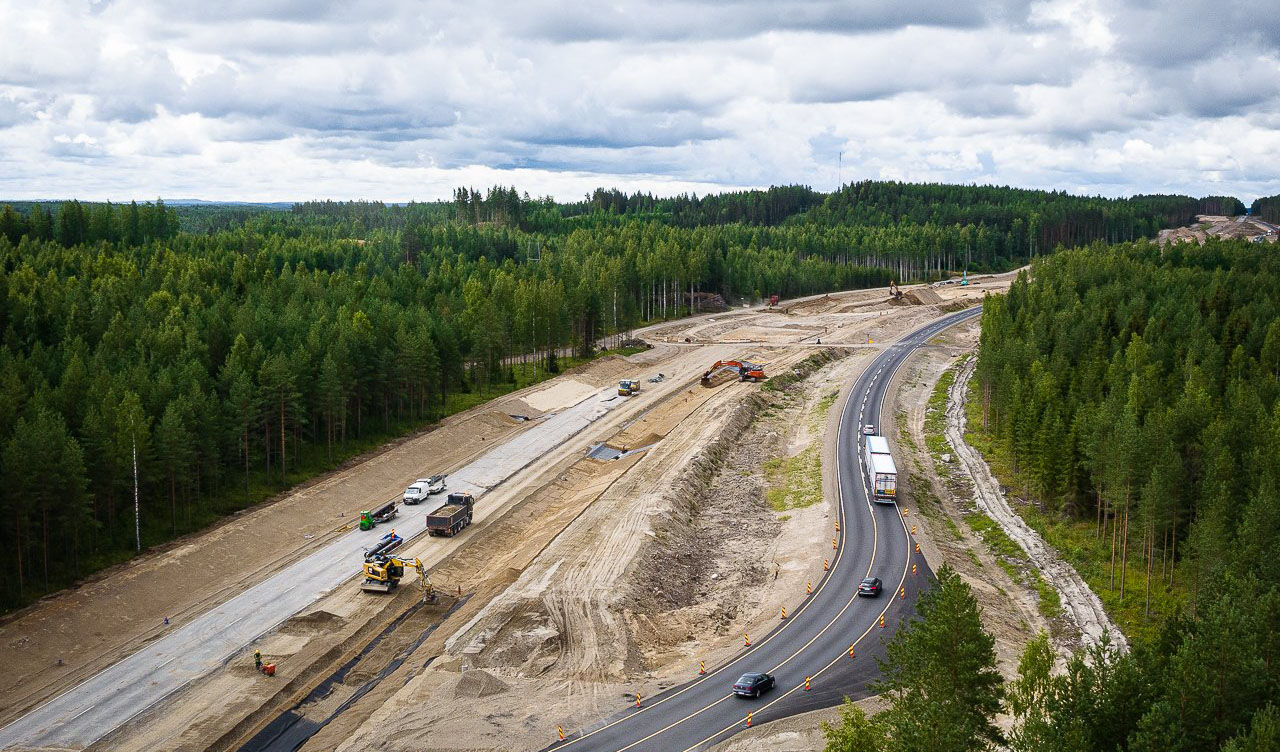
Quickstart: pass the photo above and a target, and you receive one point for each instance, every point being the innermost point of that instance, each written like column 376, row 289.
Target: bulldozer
column 383, row 572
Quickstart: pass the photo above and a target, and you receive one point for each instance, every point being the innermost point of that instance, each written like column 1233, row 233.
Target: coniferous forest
column 238, row 348
column 1133, row 388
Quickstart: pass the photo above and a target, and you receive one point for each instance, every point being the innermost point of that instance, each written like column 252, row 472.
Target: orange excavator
column 744, row 370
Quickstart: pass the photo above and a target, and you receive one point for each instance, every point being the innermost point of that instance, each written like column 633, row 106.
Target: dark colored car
column 870, row 586
column 753, row 685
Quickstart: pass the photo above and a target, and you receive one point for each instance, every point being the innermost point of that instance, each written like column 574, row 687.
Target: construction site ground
column 1209, row 225
column 584, row 582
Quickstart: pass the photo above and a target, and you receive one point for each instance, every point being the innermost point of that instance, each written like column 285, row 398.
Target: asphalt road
column 815, row 641
column 106, row 701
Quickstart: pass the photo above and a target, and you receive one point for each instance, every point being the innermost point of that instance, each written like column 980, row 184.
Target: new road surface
column 103, row 703
column 833, row 639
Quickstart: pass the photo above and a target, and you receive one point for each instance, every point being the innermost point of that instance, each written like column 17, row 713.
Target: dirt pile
column 477, row 683
column 922, row 296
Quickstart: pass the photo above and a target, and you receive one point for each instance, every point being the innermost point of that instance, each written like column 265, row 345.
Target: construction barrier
column 826, row 565
column 637, row 699
column 808, row 587
column 748, row 719
column 702, row 667
column 851, row 650
column 806, row 684
column 833, row 544
column 902, row 592
column 913, row 529
column 784, row 612
column 917, row 547
column 560, row 731
column 746, row 641
column 837, row 526
column 913, row 569
column 882, row 621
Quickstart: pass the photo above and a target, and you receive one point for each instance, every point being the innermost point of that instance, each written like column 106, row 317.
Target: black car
column 753, row 685
column 870, row 587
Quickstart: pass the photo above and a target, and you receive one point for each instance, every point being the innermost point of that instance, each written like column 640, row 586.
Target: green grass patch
column 795, row 482
column 821, row 409
column 994, row 536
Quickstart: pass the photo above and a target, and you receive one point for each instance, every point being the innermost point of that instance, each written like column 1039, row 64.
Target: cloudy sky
column 398, row 100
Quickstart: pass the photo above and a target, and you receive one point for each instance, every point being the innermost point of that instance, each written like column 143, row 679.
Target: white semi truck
column 882, row 474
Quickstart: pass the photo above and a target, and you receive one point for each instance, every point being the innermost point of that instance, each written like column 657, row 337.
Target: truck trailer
column 449, row 519
column 882, row 473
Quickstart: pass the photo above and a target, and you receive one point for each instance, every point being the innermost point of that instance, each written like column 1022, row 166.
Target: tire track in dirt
column 1079, row 602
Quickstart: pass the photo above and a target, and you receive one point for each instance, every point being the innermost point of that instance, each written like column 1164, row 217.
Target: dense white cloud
column 296, row 99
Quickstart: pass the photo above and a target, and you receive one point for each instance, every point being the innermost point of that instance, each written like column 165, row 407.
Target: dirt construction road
column 539, row 499
column 95, row 708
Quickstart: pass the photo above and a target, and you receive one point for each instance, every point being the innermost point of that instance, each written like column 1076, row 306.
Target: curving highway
column 815, row 641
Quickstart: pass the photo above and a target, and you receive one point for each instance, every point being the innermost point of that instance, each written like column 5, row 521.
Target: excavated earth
column 589, row 581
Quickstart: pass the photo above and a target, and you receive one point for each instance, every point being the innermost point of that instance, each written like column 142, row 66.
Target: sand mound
column 477, row 683
column 923, row 296
column 496, row 419
column 313, row 620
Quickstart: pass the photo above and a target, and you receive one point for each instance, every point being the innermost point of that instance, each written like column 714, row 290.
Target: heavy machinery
column 383, row 573
column 384, row 513
column 894, row 291
column 628, row 387
column 453, row 516
column 744, row 370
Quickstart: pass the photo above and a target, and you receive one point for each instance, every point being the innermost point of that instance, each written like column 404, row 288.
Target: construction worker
column 257, row 659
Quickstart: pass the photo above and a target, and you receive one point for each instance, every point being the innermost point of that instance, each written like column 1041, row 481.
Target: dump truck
column 421, row 488
column 449, row 519
column 383, row 573
column 383, row 513
column 881, row 472
column 628, row 387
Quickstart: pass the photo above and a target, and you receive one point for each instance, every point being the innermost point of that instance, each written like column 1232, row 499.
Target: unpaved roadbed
column 1080, row 603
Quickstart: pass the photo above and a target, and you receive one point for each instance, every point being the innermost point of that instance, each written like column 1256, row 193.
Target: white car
column 422, row 488
column 868, row 430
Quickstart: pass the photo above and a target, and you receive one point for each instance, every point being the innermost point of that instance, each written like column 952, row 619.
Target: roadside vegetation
column 241, row 350
column 1008, row 554
column 1129, row 395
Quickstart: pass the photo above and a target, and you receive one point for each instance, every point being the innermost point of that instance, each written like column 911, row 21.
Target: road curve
column 815, row 640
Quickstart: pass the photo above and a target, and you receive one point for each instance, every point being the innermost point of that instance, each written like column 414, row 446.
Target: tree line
column 1137, row 387
column 1134, row 389
column 1267, row 209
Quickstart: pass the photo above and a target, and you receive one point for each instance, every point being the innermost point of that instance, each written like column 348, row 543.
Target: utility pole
column 839, row 170
column 137, row 523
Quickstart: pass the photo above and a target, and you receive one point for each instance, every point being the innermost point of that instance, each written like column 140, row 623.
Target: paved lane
column 814, row 641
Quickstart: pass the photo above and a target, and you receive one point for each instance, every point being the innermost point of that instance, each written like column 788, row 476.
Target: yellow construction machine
column 383, row 572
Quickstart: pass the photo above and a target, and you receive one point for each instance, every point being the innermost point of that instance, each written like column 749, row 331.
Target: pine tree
column 940, row 674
